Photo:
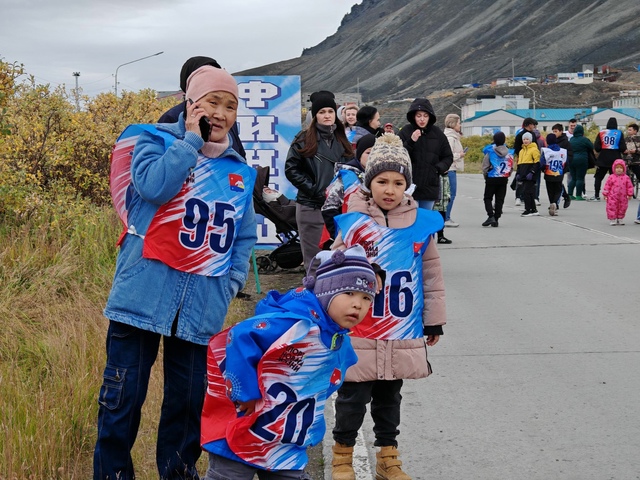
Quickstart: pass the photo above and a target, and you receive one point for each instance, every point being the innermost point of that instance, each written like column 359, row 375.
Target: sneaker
column 525, row 213
column 490, row 221
column 567, row 202
column 552, row 209
column 444, row 240
column 495, row 223
column 593, row 199
column 451, row 223
column 620, row 221
column 518, row 202
column 537, row 202
column 637, row 220
column 535, row 213
column 529, row 214
column 579, row 198
column 613, row 222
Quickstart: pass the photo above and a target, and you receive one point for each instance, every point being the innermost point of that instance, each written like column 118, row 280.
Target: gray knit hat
column 388, row 154
column 340, row 272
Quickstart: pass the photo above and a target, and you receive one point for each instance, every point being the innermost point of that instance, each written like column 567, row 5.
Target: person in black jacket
column 430, row 154
column 172, row 115
column 310, row 167
column 610, row 146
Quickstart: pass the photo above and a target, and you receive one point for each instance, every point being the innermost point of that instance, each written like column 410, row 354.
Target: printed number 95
column 196, row 220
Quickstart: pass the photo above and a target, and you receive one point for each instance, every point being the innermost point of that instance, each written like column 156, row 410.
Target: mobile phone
column 205, row 126
column 465, row 149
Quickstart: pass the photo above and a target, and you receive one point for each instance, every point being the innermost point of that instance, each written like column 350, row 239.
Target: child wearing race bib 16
column 397, row 235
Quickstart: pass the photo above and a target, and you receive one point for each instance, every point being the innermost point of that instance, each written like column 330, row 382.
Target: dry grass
column 55, row 276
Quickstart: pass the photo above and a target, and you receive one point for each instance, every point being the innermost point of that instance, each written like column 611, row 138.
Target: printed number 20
column 300, row 415
column 196, row 220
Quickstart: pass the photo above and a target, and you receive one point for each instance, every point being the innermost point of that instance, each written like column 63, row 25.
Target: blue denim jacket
column 147, row 293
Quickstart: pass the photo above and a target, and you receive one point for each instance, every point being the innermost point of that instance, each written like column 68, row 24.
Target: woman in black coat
column 430, row 153
column 310, row 167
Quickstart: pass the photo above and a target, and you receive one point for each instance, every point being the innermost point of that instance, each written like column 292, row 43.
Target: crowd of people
column 372, row 206
column 563, row 154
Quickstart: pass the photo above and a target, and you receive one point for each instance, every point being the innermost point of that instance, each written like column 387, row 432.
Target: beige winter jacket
column 394, row 359
column 457, row 149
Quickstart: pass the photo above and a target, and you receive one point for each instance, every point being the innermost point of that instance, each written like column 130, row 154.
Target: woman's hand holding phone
column 197, row 121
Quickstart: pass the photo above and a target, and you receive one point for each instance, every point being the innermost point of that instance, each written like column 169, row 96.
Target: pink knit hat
column 210, row 79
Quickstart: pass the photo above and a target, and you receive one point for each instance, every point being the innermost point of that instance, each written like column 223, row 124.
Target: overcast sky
column 55, row 38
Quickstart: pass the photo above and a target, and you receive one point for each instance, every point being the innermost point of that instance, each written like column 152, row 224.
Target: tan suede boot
column 342, row 463
column 388, row 465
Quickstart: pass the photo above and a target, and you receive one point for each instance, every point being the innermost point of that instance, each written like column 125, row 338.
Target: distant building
column 627, row 99
column 486, row 103
column 624, row 116
column 175, row 94
column 510, row 121
column 576, row 77
column 514, row 81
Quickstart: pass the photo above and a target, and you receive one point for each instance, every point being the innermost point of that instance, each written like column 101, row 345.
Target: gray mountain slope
column 400, row 49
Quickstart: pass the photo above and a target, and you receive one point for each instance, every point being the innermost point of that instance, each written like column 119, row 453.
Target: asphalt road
column 538, row 373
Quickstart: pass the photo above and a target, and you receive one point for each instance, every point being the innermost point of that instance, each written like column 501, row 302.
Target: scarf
column 326, row 132
column 215, row 149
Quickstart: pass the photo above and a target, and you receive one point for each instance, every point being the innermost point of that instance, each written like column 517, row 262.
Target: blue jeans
column 131, row 352
column 638, row 214
column 426, row 204
column 453, row 185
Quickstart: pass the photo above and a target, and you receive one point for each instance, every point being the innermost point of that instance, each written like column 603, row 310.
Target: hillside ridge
column 396, row 49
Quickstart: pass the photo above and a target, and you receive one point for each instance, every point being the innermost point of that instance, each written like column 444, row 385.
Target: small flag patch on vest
column 417, row 246
column 236, row 183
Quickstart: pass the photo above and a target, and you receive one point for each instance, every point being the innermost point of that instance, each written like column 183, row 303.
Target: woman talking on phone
column 190, row 228
column 452, row 129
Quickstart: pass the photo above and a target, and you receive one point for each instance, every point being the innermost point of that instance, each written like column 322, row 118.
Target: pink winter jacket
column 394, row 359
column 617, row 191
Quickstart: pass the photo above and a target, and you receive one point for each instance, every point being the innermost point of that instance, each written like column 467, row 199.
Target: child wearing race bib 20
column 269, row 377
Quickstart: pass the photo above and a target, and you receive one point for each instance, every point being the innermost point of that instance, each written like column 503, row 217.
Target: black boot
column 489, row 222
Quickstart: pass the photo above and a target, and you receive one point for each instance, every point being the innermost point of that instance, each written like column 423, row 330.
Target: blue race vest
column 610, row 139
column 500, row 166
column 397, row 311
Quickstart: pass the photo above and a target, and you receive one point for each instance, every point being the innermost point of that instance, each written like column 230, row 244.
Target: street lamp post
column 132, row 61
column 76, row 74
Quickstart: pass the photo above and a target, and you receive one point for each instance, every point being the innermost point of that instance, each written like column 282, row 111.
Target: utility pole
column 77, row 93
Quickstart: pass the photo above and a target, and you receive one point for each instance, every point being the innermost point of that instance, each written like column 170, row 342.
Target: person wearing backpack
column 190, row 227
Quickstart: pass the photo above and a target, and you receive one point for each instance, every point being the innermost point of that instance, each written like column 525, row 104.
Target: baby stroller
column 282, row 212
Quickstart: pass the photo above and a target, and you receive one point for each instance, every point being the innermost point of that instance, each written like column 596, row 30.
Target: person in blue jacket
column 184, row 255
column 497, row 166
column 270, row 376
